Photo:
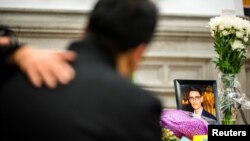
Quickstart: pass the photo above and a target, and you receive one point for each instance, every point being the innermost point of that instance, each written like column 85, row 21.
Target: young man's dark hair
column 192, row 88
column 101, row 103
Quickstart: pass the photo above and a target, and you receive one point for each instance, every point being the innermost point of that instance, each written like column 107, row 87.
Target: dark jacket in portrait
column 207, row 114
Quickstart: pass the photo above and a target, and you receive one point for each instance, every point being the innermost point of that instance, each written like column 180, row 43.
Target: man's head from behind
column 124, row 27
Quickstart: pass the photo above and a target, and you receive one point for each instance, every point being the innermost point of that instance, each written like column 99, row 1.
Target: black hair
column 121, row 25
column 192, row 88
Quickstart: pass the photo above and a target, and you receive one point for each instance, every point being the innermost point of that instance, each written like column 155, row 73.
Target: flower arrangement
column 231, row 39
column 177, row 124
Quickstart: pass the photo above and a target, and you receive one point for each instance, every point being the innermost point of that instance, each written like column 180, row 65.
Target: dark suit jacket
column 5, row 68
column 98, row 105
column 207, row 114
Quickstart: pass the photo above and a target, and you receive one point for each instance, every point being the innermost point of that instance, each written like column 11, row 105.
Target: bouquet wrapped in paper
column 182, row 124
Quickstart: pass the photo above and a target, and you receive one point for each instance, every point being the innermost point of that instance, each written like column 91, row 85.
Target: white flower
column 239, row 24
column 234, row 25
column 221, row 27
column 225, row 33
column 233, row 33
column 245, row 39
column 227, row 23
column 214, row 23
column 237, row 45
column 239, row 34
column 212, row 34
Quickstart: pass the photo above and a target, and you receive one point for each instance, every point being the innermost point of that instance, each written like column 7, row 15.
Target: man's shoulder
column 132, row 96
column 207, row 114
column 74, row 45
column 135, row 92
column 118, row 86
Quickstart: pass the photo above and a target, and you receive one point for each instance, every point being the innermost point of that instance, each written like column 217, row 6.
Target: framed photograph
column 192, row 95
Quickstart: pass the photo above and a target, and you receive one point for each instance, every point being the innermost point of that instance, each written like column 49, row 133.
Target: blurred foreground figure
column 101, row 103
column 41, row 66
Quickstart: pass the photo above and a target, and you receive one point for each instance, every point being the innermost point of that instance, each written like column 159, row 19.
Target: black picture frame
column 207, row 86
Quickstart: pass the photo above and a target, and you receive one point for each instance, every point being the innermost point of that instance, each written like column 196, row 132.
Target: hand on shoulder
column 45, row 65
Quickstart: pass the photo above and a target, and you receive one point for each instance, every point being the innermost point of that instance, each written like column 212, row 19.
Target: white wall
column 170, row 7
column 49, row 4
column 199, row 7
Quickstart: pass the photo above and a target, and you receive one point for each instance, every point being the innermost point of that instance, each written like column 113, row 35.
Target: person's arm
column 45, row 66
column 41, row 66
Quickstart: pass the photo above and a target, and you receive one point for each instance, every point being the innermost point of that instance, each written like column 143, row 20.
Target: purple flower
column 182, row 124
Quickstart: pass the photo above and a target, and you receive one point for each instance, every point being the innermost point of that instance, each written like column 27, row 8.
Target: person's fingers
column 34, row 77
column 46, row 66
column 68, row 55
column 56, row 71
column 47, row 76
column 63, row 72
column 36, row 64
